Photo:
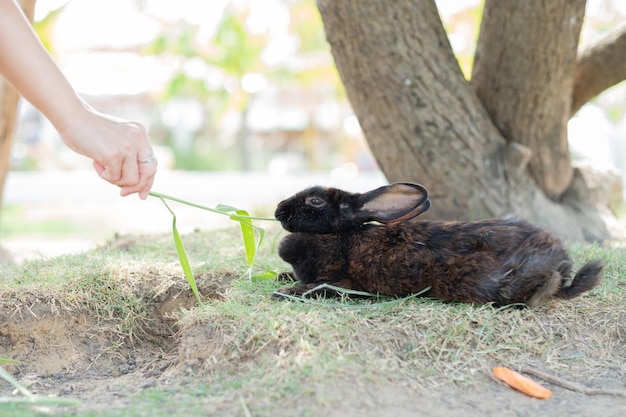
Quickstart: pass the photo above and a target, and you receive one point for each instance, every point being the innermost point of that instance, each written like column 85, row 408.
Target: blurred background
column 243, row 105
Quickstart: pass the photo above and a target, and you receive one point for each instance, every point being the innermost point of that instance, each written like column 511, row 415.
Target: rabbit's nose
column 280, row 213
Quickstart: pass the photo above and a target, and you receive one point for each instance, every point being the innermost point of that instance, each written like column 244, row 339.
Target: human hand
column 120, row 150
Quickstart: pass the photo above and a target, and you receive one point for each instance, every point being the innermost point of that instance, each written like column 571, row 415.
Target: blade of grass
column 339, row 289
column 29, row 397
column 182, row 256
column 19, row 387
column 390, row 300
column 39, row 400
column 244, row 406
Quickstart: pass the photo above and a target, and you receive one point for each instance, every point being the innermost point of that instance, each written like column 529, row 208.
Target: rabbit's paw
column 286, row 277
column 288, row 292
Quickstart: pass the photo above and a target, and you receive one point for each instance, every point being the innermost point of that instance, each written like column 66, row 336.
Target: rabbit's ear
column 393, row 203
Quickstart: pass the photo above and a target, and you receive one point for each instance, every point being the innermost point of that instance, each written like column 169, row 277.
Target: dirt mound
column 63, row 349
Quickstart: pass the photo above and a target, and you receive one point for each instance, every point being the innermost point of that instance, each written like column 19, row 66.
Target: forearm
column 26, row 65
column 120, row 149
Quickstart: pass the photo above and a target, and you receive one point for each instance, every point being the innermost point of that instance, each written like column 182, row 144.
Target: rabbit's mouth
column 284, row 218
column 280, row 214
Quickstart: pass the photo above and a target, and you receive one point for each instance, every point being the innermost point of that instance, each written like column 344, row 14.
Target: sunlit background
column 246, row 85
column 243, row 105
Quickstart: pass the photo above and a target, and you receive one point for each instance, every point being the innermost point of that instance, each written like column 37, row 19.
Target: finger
column 146, row 180
column 142, row 190
column 112, row 171
column 130, row 172
column 100, row 170
column 123, row 167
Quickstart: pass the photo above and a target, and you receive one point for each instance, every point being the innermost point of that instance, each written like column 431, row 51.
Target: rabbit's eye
column 315, row 202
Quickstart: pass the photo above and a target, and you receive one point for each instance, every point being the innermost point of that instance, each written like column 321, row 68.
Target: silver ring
column 147, row 160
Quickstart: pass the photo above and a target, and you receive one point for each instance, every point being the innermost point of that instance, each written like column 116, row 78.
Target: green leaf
column 182, row 256
column 247, row 232
column 267, row 275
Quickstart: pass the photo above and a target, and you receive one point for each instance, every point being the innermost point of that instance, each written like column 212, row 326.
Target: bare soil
column 74, row 354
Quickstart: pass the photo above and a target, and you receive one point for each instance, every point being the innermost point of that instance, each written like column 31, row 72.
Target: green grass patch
column 13, row 223
column 242, row 353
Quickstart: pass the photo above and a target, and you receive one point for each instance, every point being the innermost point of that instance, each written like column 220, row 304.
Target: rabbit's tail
column 585, row 279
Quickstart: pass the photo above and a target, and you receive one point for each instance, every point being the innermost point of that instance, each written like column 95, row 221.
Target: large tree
column 484, row 147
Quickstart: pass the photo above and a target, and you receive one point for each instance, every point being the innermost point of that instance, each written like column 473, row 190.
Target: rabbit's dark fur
column 503, row 261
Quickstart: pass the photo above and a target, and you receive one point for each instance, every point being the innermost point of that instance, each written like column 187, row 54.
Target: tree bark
column 414, row 105
column 424, row 122
column 8, row 112
column 523, row 74
column 601, row 65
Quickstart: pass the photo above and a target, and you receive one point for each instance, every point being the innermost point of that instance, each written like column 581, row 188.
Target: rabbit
column 370, row 242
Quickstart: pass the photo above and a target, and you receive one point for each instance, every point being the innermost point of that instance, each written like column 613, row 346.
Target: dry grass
column 435, row 343
column 241, row 341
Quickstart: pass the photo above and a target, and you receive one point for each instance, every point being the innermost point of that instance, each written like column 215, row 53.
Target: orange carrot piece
column 521, row 383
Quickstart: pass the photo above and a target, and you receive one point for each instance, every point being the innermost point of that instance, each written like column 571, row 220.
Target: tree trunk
column 600, row 65
column 424, row 123
column 523, row 74
column 414, row 105
column 8, row 112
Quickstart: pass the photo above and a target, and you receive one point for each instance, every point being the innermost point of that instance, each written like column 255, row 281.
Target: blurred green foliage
column 43, row 28
column 230, row 54
column 208, row 72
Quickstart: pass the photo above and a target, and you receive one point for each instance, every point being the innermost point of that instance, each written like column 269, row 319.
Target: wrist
column 67, row 114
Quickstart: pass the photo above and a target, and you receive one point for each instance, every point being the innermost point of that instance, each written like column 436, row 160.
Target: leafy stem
column 248, row 232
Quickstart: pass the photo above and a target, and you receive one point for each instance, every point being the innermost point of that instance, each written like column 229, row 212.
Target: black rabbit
column 368, row 242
